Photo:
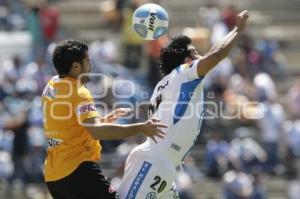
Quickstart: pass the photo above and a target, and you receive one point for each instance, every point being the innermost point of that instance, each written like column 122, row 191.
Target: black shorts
column 86, row 182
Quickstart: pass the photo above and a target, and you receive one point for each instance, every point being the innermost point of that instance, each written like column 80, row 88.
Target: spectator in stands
column 6, row 166
column 272, row 61
column 18, row 124
column 119, row 8
column 190, row 167
column 37, row 152
column 209, row 16
column 219, row 30
column 240, row 63
column 293, row 99
column 292, row 158
column 133, row 45
column 240, row 185
column 259, row 191
column 13, row 68
column 242, row 86
column 271, row 124
column 216, row 156
column 35, row 29
column 37, row 143
column 237, row 185
column 183, row 185
column 14, row 16
column 4, row 12
column 49, row 18
column 251, row 55
column 228, row 16
column 245, row 153
column 6, row 145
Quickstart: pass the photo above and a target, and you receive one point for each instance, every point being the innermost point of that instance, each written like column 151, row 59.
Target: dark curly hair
column 174, row 54
column 66, row 53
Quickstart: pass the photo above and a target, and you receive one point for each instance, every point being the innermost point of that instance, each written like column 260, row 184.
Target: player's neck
column 70, row 77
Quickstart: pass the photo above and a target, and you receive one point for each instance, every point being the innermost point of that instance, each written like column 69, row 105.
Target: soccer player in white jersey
column 150, row 169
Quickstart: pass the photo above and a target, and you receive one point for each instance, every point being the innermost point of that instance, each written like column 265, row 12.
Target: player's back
column 178, row 102
column 66, row 103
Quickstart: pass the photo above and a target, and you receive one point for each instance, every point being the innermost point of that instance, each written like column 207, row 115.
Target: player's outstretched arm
column 116, row 114
column 221, row 49
column 108, row 131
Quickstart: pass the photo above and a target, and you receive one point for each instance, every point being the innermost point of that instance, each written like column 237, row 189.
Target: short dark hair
column 66, row 53
column 174, row 54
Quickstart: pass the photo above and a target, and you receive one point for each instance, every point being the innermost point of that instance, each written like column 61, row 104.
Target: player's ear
column 75, row 68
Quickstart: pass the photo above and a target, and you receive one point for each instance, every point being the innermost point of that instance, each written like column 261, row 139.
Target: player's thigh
column 158, row 182
column 88, row 182
column 56, row 190
column 146, row 179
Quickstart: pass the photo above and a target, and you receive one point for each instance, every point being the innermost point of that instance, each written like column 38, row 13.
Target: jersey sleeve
column 85, row 106
column 191, row 71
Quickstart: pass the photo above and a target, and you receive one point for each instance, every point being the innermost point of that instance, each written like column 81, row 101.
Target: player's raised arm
column 108, row 131
column 221, row 49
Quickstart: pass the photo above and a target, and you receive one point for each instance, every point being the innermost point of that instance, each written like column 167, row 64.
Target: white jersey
column 178, row 102
column 150, row 169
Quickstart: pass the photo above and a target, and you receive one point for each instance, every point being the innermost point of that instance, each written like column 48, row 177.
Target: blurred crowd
column 252, row 129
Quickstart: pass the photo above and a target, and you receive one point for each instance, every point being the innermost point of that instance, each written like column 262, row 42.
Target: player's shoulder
column 82, row 92
column 188, row 71
column 186, row 66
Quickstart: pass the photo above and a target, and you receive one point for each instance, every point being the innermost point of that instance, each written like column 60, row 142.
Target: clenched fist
column 241, row 20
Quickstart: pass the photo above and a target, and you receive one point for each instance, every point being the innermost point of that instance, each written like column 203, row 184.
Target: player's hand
column 152, row 129
column 241, row 20
column 116, row 114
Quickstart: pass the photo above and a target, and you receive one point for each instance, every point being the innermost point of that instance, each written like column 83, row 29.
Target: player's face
column 86, row 68
column 86, row 64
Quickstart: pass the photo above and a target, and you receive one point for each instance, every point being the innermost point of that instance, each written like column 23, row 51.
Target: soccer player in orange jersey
column 73, row 128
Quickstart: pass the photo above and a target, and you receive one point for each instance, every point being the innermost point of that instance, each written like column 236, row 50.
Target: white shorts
column 148, row 175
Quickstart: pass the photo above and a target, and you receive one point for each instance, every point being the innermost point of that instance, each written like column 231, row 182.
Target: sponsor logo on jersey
column 163, row 86
column 176, row 147
column 151, row 195
column 135, row 186
column 86, row 108
column 52, row 142
column 50, row 92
